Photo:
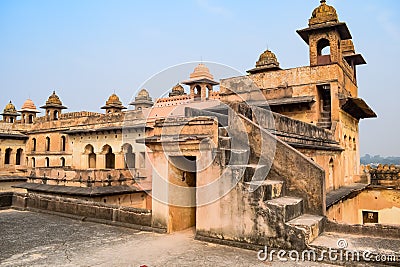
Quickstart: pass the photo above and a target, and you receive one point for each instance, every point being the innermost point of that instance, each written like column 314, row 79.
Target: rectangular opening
column 182, row 175
column 370, row 216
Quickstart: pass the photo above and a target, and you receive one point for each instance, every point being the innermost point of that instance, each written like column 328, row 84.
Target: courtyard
column 37, row 239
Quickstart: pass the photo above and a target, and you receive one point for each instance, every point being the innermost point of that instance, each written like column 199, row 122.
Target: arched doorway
column 89, row 150
column 331, row 175
column 129, row 156
column 324, row 51
column 7, row 156
column 110, row 157
column 18, row 157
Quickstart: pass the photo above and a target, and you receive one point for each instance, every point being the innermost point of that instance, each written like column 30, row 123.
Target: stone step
column 324, row 119
column 223, row 131
column 288, row 207
column 248, row 172
column 326, row 125
column 312, row 225
column 325, row 113
column 235, row 156
column 267, row 189
column 224, row 142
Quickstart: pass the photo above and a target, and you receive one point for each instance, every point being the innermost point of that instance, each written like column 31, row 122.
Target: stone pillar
column 84, row 163
column 2, row 152
column 13, row 157
column 203, row 92
column 119, row 160
column 101, row 161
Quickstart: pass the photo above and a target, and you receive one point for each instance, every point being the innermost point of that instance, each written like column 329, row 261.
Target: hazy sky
column 87, row 49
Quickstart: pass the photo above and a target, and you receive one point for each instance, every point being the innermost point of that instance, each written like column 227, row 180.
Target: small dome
column 54, row 100
column 10, row 108
column 28, row 104
column 177, row 90
column 143, row 93
column 201, row 71
column 113, row 100
column 267, row 59
column 323, row 14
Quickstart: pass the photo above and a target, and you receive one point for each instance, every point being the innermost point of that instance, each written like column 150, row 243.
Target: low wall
column 84, row 210
column 6, row 199
column 289, row 129
column 377, row 230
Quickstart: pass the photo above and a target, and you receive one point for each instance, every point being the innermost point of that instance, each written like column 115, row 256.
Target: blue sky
column 87, row 49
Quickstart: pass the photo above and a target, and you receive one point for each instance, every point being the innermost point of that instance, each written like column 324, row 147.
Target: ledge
column 79, row 191
column 343, row 193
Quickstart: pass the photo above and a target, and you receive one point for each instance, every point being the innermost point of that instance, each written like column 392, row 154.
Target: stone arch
column 30, row 119
column 55, row 115
column 47, row 162
column 18, row 156
column 33, row 162
column 130, row 157
column 7, row 156
column 209, row 91
column 62, row 160
column 331, row 175
column 89, row 150
column 197, row 92
column 48, row 143
column 33, row 144
column 323, row 51
column 63, row 143
column 109, row 156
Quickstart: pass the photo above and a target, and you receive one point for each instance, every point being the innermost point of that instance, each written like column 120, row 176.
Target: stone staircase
column 269, row 196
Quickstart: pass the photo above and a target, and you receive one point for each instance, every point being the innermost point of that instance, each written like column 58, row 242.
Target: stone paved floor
column 35, row 239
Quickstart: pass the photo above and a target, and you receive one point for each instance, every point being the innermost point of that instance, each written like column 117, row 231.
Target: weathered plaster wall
column 384, row 201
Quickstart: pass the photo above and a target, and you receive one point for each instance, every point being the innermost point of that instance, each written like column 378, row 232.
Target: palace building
column 271, row 158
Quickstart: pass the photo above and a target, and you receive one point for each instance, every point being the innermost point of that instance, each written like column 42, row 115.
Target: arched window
column 18, row 156
column 63, row 143
column 331, row 175
column 47, row 162
column 33, row 144
column 129, row 156
column 110, row 157
column 62, row 159
column 30, row 119
column 47, row 143
column 7, row 156
column 197, row 92
column 89, row 150
column 33, row 162
column 323, row 51
column 55, row 115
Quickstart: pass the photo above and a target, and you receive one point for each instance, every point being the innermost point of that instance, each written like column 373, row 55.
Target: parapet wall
column 83, row 210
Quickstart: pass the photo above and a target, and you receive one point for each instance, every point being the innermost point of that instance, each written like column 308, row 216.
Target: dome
column 10, row 109
column 268, row 59
column 177, row 90
column 54, row 100
column 143, row 93
column 323, row 14
column 29, row 106
column 113, row 100
column 201, row 71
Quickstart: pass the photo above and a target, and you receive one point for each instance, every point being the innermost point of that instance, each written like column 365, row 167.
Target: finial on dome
column 266, row 62
column 322, row 1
